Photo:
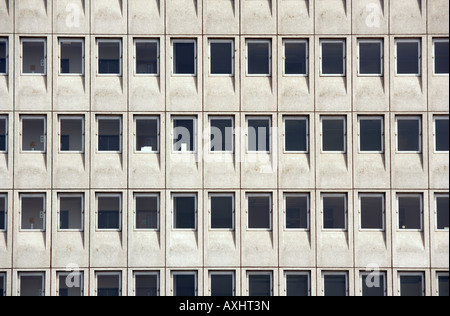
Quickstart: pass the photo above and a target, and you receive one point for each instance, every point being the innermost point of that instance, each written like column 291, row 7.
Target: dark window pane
column 296, row 60
column 146, row 212
column 31, row 285
column 185, row 285
column 372, row 213
column 297, row 285
column 411, row 285
column 147, row 135
column 408, row 134
column 441, row 57
column 297, row 212
column 335, row 285
column 370, row 58
column 33, row 58
column 442, row 212
column 184, row 58
column 70, row 284
column 334, row 212
column 109, row 131
column 2, row 285
column 259, row 212
column 2, row 213
column 260, row 285
column 71, row 134
column 146, row 58
column 3, row 54
column 258, row 58
column 184, row 135
column 33, row 213
column 371, row 135
column 71, row 57
column 222, row 212
column 221, row 58
column 296, row 135
column 374, row 284
column 222, row 132
column 185, row 212
column 408, row 58
column 443, row 285
column 410, row 215
column 222, row 285
column 146, row 285
column 33, row 134
column 333, row 136
column 3, row 133
column 442, row 135
column 108, row 285
column 259, row 131
column 109, row 212
column 71, row 212
column 333, row 58
column 109, row 58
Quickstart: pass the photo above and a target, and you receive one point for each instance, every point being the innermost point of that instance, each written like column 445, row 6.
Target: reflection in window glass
column 147, row 134
column 409, row 134
column 372, row 211
column 109, row 284
column 147, row 58
column 72, row 134
column 297, row 211
column 333, row 58
column 33, row 212
column 442, row 134
column 259, row 212
column 109, row 57
column 71, row 212
column 259, row 56
column 184, row 57
column 374, row 284
column 334, row 211
column 335, row 284
column 146, row 284
column 411, row 284
column 260, row 284
column 109, row 134
column 3, row 134
column 333, row 134
column 443, row 284
column 296, row 134
column 408, row 57
column 34, row 133
column 147, row 209
column 297, row 284
column 410, row 211
column 34, row 59
column 222, row 211
column 184, row 134
column 222, row 284
column 3, row 56
column 296, row 58
column 371, row 57
column 184, row 284
column 442, row 211
column 371, row 134
column 222, row 54
column 72, row 56
column 109, row 211
column 222, row 134
column 441, row 57
column 185, row 212
column 32, row 284
column 259, row 133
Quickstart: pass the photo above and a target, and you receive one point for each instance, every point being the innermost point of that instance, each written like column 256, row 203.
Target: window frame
column 407, row 117
column 97, row 212
column 158, row 56
column 228, row 273
column 147, row 273
column 33, row 117
column 297, row 273
column 98, row 118
column 420, row 195
column 233, row 215
column 44, row 211
column 3, row 283
column 296, row 41
column 336, row 273
column 175, row 273
column 436, row 197
column 308, row 214
column 158, row 211
column 156, row 118
column 256, row 118
column 383, row 197
column 174, row 57
column 416, row 274
column 71, row 195
column 233, row 56
column 258, row 41
column 195, row 136
column 83, row 133
column 110, row 40
column 372, row 117
column 34, row 40
column 334, row 118
column 174, row 213
column 109, row 273
column 346, row 211
column 5, row 197
column 6, row 41
column 31, row 274
column 224, row 117
column 6, row 119
column 408, row 40
column 438, row 40
column 438, row 275
column 371, row 41
column 435, row 118
column 271, row 212
column 80, row 275
column 381, row 274
column 343, row 41
column 269, row 273
column 308, row 133
column 83, row 56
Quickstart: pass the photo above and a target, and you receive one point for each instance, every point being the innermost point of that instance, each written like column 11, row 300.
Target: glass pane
column 71, row 135
column 146, row 57
column 296, row 60
column 408, row 58
column 33, row 213
column 442, row 206
column 371, row 135
column 184, row 135
column 33, row 134
column 109, row 212
column 297, row 285
column 3, row 212
column 33, row 57
column 31, row 285
column 374, row 284
column 296, row 135
column 443, row 285
column 71, row 57
column 297, row 212
column 221, row 58
column 222, row 135
column 334, row 212
column 109, row 58
column 372, row 212
column 146, row 212
column 370, row 58
column 109, row 131
column 71, row 213
column 259, row 212
column 147, row 135
column 258, row 58
column 222, row 285
column 259, row 135
column 108, row 285
column 3, row 132
column 441, row 56
column 333, row 58
column 185, row 285
column 408, row 135
column 184, row 58
column 335, row 285
column 259, row 285
column 333, row 135
column 2, row 285
column 222, row 212
column 410, row 216
column 3, row 54
column 442, row 135
column 185, row 212
column 411, row 285
column 70, row 284
column 146, row 285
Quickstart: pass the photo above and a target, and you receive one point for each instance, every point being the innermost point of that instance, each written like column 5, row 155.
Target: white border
column 400, row 274
column 44, row 211
column 265, row 273
column 158, row 57
column 296, row 41
column 116, row 41
column 344, row 61
column 371, row 41
column 419, row 48
column 156, row 118
column 336, row 273
column 83, row 56
column 259, row 41
column 147, row 273
column 233, row 275
column 35, row 40
column 175, row 273
column 256, row 118
column 174, row 59
column 438, row 40
column 34, row 117
column 195, row 136
column 31, row 274
column 297, row 273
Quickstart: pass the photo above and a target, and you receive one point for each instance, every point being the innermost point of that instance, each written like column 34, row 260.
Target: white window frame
column 102, row 273
column 296, row 118
column 379, row 118
column 222, row 41
column 83, row 56
column 232, row 195
column 435, row 118
column 269, row 273
column 232, row 273
column 380, row 274
column 400, row 274
column 332, row 195
column 5, row 118
column 296, row 41
column 158, row 210
column 175, row 273
column 371, row 41
column 406, row 195
column 83, row 133
column 109, row 117
column 5, row 40
column 256, row 118
column 173, row 56
column 334, row 118
column 439, row 274
column 71, row 195
column 436, row 197
column 438, row 40
column 3, row 278
column 44, row 210
column 297, row 273
column 408, row 40
column 195, row 136
column 344, row 48
column 308, row 216
column 77, row 274
column 31, row 274
column 158, row 63
column 148, row 273
column 108, row 195
column 33, row 117
column 156, row 118
column 101, row 41
column 174, row 213
column 5, row 197
column 35, row 40
column 258, row 41
column 331, row 273
column 218, row 117
column 406, row 117
column 265, row 195
column 378, row 195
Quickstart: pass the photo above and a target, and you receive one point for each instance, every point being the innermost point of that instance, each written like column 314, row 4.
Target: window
column 222, row 211
column 72, row 56
column 3, row 56
column 371, row 134
column 333, row 57
column 371, row 57
column 72, row 133
column 372, row 211
column 109, row 57
column 441, row 56
column 441, row 133
column 33, row 212
column 259, row 134
column 411, row 284
column 34, row 134
column 147, row 211
column 185, row 211
column 334, row 211
column 298, row 284
column 410, row 211
column 409, row 134
column 2, row 284
column 185, row 283
column 71, row 212
column 34, row 56
column 222, row 134
column 297, row 211
column 335, row 284
column 259, row 58
column 109, row 134
column 408, row 55
column 185, row 57
column 31, row 284
column 373, row 284
column 3, row 211
column 259, row 211
column 442, row 279
column 109, row 284
column 334, row 134
column 70, row 284
column 260, row 284
column 296, row 133
column 109, row 211
column 3, row 134
column 146, row 283
column 222, row 283
column 185, row 134
column 221, row 57
column 296, row 57
column 147, row 57
column 442, row 212
column 147, row 134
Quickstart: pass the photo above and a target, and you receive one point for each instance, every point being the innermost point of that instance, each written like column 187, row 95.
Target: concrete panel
column 438, row 16
column 370, row 17
column 408, row 16
column 221, row 17
column 258, row 16
column 333, row 17
column 71, row 16
column 296, row 17
column 33, row 16
column 146, row 17
column 6, row 16
column 184, row 16
column 109, row 16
